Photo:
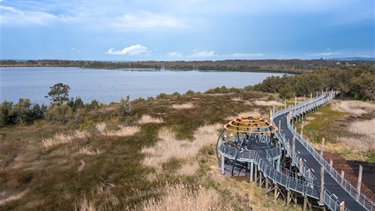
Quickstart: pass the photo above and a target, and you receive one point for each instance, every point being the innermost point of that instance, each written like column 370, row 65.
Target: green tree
column 286, row 91
column 59, row 93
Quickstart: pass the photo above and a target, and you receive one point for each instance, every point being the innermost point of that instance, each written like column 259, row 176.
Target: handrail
column 302, row 108
column 279, row 177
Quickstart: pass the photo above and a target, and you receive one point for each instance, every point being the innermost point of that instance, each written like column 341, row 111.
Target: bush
column 23, row 112
column 59, row 113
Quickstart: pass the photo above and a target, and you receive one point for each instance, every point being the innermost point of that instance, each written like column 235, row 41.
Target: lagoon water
column 111, row 85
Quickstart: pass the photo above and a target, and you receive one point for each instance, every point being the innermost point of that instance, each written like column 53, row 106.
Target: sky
column 168, row 30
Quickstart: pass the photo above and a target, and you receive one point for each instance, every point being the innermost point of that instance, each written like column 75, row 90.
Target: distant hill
column 354, row 59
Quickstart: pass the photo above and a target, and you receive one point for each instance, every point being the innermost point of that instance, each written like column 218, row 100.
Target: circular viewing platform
column 242, row 137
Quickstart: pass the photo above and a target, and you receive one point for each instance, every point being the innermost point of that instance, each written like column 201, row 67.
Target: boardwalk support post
column 342, row 176
column 321, row 198
column 342, row 206
column 359, row 182
column 330, row 166
column 322, row 149
column 293, row 149
column 222, row 165
column 251, row 171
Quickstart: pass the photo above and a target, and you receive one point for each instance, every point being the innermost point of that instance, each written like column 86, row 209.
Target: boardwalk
column 329, row 183
column 303, row 176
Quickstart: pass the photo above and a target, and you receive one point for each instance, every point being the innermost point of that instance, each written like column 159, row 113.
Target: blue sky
column 131, row 30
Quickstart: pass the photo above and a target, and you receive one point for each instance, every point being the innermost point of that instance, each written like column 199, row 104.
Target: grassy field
column 159, row 158
column 347, row 126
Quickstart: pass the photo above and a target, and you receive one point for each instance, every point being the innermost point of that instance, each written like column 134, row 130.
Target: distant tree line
column 355, row 82
column 272, row 65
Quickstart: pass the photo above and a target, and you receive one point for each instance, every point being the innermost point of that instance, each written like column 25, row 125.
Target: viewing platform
column 281, row 160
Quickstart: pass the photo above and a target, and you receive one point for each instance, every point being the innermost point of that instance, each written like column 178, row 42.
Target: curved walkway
column 335, row 188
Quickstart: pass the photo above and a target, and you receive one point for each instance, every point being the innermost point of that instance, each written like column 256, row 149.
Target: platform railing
column 284, row 177
column 296, row 111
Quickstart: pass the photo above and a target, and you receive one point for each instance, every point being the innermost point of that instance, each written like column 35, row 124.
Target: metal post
column 321, row 198
column 222, row 164
column 270, row 114
column 359, row 181
column 308, row 176
column 342, row 177
column 251, row 171
column 293, row 149
column 278, row 165
column 330, row 166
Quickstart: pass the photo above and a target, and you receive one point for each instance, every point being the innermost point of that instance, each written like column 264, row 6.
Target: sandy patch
column 267, row 103
column 249, row 103
column 183, row 106
column 146, row 119
column 310, row 118
column 355, row 108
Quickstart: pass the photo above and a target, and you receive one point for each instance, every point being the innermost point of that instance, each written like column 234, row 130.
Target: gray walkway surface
column 330, row 183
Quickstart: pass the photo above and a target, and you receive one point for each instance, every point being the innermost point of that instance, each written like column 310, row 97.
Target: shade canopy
column 251, row 125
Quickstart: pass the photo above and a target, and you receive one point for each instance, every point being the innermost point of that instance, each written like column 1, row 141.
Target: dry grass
column 183, row 106
column 255, row 112
column 85, row 205
column 122, row 131
column 101, row 194
column 355, row 108
column 181, row 197
column 88, row 151
column 237, row 99
column 146, row 119
column 188, row 169
column 13, row 197
column 168, row 147
column 63, row 138
column 364, row 139
column 267, row 103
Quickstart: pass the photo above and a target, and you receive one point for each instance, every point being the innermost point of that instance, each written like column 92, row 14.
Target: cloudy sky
column 133, row 30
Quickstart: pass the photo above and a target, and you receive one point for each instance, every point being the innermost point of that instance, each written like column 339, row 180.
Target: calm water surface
column 111, row 85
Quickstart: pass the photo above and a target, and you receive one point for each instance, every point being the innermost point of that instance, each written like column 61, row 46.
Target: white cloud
column 146, row 20
column 15, row 17
column 174, row 54
column 326, row 54
column 246, row 55
column 202, row 54
column 131, row 50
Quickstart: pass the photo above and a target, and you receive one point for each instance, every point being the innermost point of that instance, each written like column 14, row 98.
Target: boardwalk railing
column 299, row 110
column 283, row 177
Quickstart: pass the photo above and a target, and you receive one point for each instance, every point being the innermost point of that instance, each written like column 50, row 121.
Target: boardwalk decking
column 329, row 183
column 303, row 157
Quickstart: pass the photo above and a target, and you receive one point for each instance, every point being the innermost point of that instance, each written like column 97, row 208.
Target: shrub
column 59, row 113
